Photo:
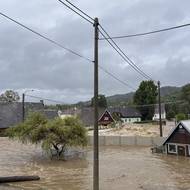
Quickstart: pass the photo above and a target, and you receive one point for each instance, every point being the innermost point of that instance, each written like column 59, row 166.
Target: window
column 172, row 148
column 106, row 118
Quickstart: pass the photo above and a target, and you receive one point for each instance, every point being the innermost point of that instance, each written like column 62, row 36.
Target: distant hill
column 168, row 90
column 124, row 99
column 120, row 99
column 168, row 93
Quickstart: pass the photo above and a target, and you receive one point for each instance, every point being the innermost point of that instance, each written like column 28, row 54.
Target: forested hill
column 123, row 99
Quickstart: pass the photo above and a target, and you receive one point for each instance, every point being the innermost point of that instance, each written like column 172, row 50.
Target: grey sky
column 29, row 62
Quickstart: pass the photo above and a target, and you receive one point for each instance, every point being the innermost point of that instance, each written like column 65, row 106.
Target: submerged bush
column 54, row 135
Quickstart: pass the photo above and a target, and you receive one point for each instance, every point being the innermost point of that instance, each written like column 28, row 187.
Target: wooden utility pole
column 23, row 107
column 96, row 144
column 160, row 111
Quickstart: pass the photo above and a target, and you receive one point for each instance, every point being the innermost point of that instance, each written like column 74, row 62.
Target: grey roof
column 184, row 123
column 50, row 114
column 87, row 115
column 71, row 111
column 126, row 112
column 32, row 106
column 11, row 112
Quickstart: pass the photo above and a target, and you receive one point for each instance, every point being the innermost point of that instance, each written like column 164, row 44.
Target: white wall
column 156, row 116
column 130, row 120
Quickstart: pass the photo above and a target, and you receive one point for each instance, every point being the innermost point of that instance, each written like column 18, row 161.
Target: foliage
column 170, row 114
column 115, row 124
column 9, row 96
column 116, row 116
column 53, row 135
column 146, row 94
column 180, row 116
column 185, row 93
column 102, row 102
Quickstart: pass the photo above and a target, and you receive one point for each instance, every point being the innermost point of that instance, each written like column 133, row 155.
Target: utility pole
column 96, row 144
column 160, row 112
column 23, row 107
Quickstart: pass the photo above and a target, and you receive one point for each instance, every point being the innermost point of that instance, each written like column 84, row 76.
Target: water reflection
column 121, row 168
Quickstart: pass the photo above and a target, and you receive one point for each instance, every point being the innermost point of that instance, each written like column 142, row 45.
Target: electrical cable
column 147, row 33
column 126, row 58
column 44, row 37
column 77, row 12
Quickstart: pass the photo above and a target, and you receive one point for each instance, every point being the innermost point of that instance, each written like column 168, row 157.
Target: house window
column 106, row 118
column 172, row 148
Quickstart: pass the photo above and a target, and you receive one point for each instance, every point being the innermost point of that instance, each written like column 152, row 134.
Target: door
column 181, row 150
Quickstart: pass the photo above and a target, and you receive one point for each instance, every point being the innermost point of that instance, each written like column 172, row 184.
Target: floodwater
column 121, row 168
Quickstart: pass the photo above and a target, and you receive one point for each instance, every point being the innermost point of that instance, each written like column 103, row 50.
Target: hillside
column 120, row 99
column 168, row 93
column 169, row 90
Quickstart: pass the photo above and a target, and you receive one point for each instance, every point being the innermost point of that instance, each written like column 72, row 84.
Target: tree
column 53, row 135
column 180, row 116
column 146, row 94
column 102, row 102
column 185, row 93
column 9, row 96
column 170, row 114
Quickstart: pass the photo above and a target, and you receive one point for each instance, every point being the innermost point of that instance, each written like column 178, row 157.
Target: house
column 87, row 115
column 126, row 114
column 156, row 112
column 50, row 114
column 69, row 112
column 178, row 142
column 106, row 118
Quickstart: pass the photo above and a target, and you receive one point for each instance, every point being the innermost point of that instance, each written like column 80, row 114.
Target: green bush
column 180, row 116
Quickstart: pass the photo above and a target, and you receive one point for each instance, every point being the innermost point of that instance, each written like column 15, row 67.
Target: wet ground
column 133, row 168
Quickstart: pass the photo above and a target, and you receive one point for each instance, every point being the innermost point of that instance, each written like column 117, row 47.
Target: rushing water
column 133, row 168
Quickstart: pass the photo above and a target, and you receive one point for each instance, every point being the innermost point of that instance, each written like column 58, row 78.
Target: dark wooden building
column 106, row 118
column 178, row 142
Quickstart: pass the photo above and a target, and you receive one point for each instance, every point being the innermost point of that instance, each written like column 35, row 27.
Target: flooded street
column 133, row 168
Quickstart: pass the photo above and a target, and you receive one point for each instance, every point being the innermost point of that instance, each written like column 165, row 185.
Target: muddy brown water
column 121, row 168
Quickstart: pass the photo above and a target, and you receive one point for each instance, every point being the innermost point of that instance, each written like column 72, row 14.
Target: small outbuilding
column 178, row 142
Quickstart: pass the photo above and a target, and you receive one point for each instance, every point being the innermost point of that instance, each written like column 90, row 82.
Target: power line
column 130, row 62
column 77, row 12
column 124, row 56
column 56, row 43
column 44, row 37
column 147, row 33
column 103, row 69
column 119, row 80
column 47, row 99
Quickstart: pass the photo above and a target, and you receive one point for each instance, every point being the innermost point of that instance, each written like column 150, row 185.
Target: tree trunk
column 18, row 178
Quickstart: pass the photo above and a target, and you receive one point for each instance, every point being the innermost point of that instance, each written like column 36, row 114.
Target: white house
column 156, row 112
column 126, row 114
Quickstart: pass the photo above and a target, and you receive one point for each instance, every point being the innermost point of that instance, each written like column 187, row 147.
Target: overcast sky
column 29, row 62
